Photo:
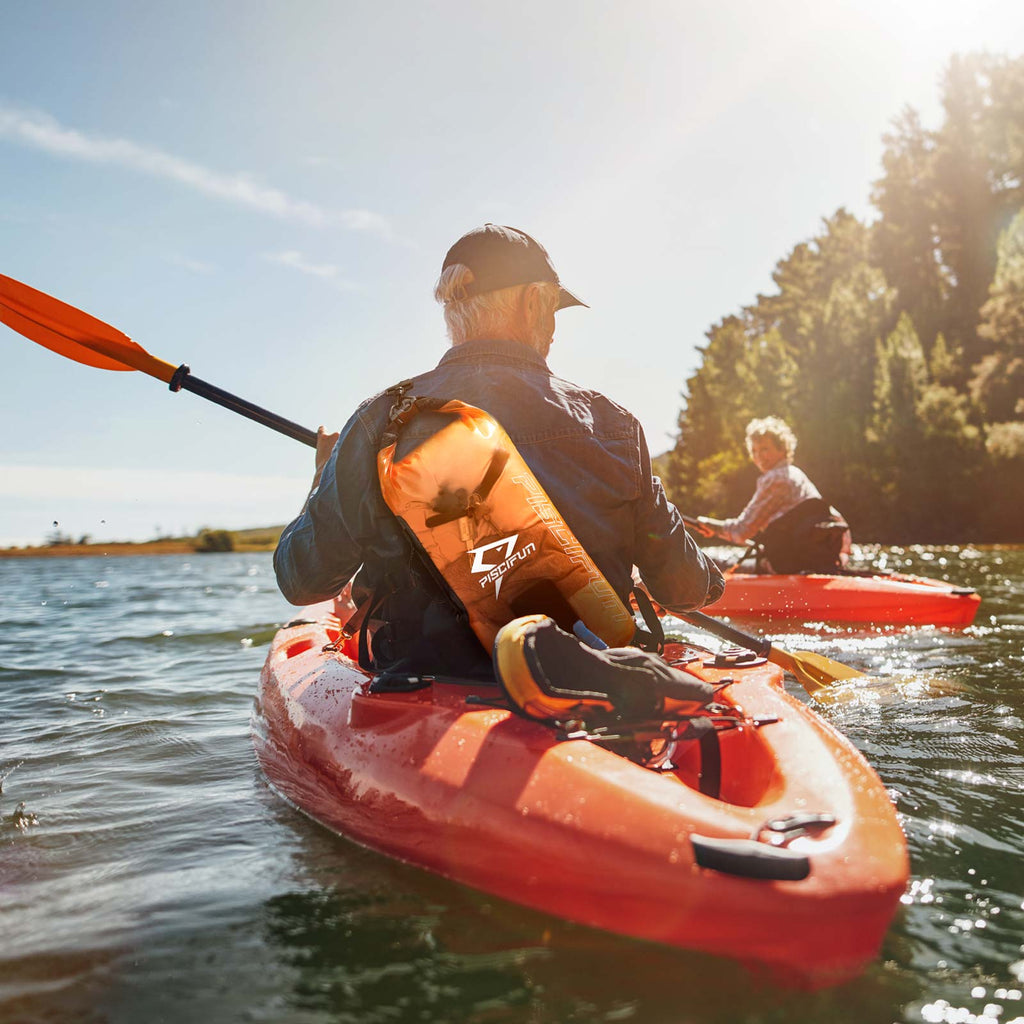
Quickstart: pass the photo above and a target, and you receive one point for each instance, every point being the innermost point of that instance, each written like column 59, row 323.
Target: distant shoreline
column 160, row 547
column 121, row 550
column 244, row 541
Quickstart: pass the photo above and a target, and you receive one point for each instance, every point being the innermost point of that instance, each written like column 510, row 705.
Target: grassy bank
column 204, row 542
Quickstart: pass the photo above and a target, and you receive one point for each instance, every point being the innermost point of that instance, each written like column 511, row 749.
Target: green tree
column 708, row 467
column 213, row 540
column 924, row 446
column 945, row 195
column 998, row 383
column 943, row 364
column 896, row 349
column 979, row 176
column 906, row 240
column 832, row 306
column 839, row 377
column 1000, row 491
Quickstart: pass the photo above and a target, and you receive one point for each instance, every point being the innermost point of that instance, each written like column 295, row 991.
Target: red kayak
column 763, row 836
column 889, row 599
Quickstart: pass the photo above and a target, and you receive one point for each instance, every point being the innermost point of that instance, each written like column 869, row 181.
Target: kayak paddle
column 812, row 671
column 76, row 335
column 70, row 332
column 699, row 526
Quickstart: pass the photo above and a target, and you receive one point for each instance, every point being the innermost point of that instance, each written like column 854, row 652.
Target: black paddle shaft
column 727, row 632
column 183, row 379
column 701, row 527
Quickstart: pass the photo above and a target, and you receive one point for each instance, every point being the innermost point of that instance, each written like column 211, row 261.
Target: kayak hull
column 486, row 798
column 892, row 599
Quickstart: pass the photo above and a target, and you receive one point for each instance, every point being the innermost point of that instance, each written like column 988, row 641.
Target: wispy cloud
column 327, row 271
column 39, row 130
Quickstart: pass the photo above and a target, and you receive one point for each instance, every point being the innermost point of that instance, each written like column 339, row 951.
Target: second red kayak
column 884, row 599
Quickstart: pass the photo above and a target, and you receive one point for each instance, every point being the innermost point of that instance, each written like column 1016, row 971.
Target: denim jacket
column 588, row 453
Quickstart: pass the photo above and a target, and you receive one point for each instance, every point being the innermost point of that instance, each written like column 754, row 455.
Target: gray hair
column 480, row 316
column 775, row 428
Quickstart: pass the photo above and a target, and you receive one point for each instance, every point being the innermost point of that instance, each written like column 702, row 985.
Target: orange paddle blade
column 70, row 332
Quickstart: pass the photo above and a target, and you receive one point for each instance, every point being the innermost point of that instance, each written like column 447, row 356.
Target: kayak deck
column 444, row 778
column 891, row 599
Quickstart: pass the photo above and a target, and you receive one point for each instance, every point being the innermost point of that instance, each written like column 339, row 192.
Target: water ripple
column 162, row 879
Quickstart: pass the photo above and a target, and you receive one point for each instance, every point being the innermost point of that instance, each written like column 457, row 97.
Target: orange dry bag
column 475, row 507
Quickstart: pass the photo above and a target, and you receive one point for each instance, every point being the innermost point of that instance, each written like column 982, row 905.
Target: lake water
column 147, row 872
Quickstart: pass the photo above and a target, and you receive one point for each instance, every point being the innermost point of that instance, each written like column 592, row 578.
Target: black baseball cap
column 501, row 257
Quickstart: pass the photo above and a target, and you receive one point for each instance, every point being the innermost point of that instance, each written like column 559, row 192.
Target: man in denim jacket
column 500, row 293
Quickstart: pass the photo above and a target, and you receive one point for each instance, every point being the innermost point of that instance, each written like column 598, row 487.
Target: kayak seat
column 807, row 538
column 549, row 675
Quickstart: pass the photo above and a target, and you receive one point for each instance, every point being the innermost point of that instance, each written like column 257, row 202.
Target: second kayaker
column 797, row 530
column 500, row 293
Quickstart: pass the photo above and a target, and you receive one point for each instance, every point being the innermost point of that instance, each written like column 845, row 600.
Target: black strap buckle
column 403, row 402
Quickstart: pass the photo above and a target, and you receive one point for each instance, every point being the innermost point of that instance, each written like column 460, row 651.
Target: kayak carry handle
column 750, row 859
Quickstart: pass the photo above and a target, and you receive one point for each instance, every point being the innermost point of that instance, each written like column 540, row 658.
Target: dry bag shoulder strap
column 404, row 408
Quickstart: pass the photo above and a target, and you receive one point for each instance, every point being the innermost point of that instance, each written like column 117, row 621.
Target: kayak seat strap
column 704, row 732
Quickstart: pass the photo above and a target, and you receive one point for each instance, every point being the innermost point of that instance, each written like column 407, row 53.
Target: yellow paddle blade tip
column 812, row 671
column 835, row 669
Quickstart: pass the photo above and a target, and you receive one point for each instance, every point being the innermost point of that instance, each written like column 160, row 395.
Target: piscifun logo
column 505, row 551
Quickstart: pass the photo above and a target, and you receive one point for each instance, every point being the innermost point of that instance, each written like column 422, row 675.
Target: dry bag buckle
column 401, row 408
column 403, row 402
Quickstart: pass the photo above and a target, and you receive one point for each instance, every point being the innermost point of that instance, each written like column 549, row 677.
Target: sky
column 265, row 191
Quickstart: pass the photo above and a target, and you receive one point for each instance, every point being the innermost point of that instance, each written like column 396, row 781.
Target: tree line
column 894, row 348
